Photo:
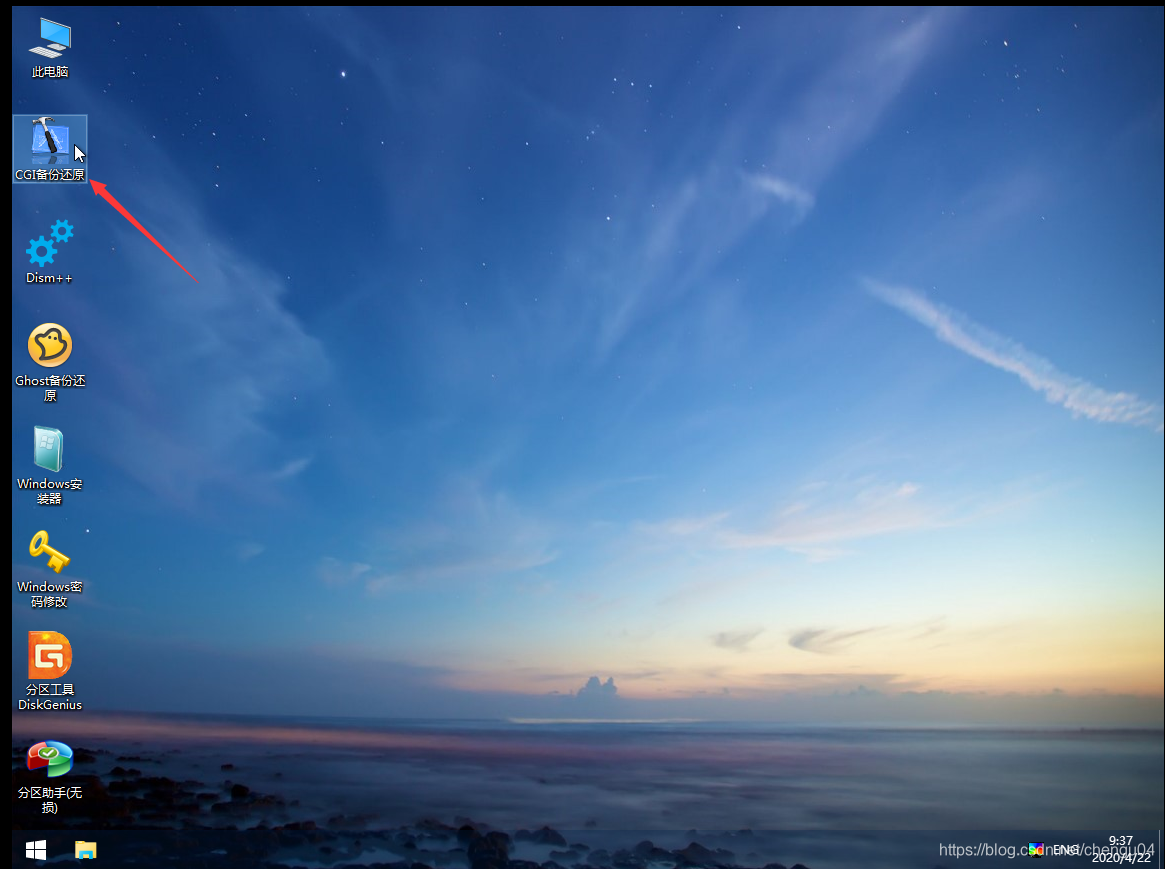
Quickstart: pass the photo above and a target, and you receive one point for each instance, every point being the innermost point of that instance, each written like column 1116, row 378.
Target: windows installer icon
column 47, row 447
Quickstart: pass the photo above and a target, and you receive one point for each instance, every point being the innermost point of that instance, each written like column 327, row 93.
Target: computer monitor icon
column 60, row 37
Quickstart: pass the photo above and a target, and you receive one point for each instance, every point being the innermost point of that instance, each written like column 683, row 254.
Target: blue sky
column 741, row 357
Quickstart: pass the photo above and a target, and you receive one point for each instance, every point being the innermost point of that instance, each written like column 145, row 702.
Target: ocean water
column 669, row 777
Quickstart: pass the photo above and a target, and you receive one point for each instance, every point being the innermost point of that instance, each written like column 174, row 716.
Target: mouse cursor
column 78, row 154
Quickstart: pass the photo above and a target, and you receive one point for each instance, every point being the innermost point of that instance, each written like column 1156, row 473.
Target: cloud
column 830, row 642
column 594, row 689
column 291, row 469
column 247, row 551
column 876, row 55
column 381, row 583
column 335, row 572
column 806, row 527
column 824, row 642
column 711, row 589
column 736, row 641
column 472, row 532
column 645, row 266
column 697, row 211
column 929, row 629
column 823, row 516
column 535, row 674
column 1076, row 394
column 682, row 526
column 786, row 191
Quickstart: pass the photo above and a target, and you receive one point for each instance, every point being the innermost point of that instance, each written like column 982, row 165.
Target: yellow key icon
column 40, row 543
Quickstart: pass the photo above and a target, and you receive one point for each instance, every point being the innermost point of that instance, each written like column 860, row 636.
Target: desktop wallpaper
column 794, row 369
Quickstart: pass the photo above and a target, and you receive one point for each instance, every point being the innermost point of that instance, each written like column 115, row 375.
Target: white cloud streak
column 709, row 211
column 871, row 512
column 247, row 551
column 786, row 191
column 1076, row 394
column 736, row 641
column 292, row 469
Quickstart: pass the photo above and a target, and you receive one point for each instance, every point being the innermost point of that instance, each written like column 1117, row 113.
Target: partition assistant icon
column 55, row 758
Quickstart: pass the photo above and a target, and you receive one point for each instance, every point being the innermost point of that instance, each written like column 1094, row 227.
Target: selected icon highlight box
column 50, row 147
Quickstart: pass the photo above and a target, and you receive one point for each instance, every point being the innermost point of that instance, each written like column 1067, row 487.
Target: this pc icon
column 60, row 37
column 47, row 448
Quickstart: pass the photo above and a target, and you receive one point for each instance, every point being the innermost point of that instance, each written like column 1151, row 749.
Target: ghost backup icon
column 50, row 345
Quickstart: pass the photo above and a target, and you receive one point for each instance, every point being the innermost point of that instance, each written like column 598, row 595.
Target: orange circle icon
column 50, row 345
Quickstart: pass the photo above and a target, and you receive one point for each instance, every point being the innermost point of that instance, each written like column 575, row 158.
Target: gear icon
column 62, row 230
column 49, row 253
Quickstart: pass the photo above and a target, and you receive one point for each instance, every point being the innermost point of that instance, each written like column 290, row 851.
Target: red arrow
column 100, row 190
